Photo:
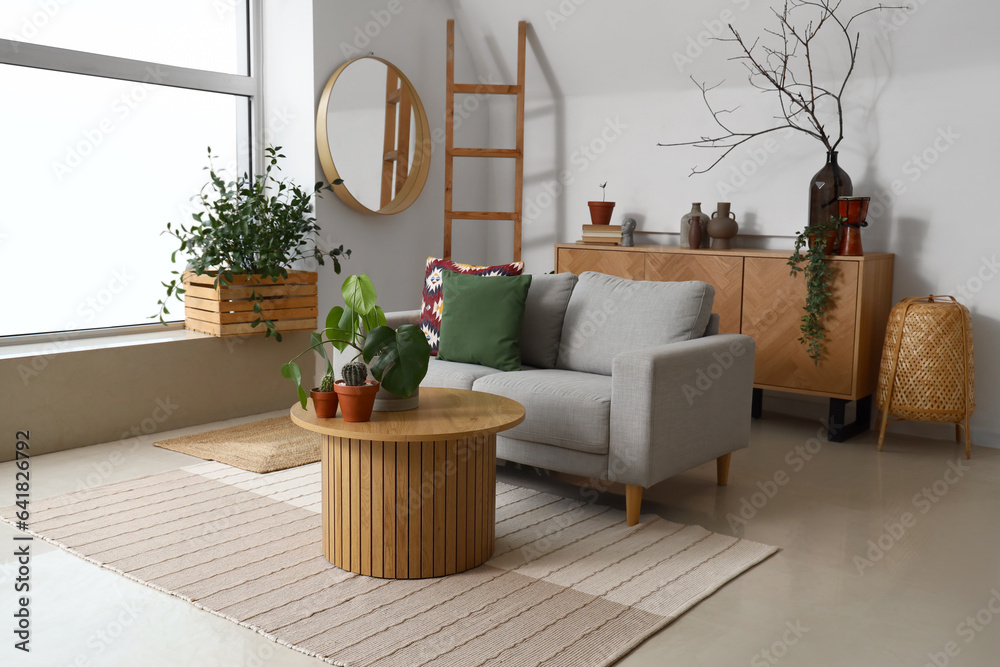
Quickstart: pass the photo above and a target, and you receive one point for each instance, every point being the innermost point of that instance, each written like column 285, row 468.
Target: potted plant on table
column 398, row 357
column 325, row 397
column 241, row 247
column 600, row 211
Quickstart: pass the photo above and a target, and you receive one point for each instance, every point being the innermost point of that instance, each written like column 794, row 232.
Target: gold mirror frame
column 418, row 169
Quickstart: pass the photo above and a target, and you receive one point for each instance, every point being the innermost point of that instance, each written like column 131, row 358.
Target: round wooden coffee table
column 412, row 494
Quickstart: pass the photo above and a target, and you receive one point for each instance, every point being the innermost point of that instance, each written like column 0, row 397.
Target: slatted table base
column 408, row 510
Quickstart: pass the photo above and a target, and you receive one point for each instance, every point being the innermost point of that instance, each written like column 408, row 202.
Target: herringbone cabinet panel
column 724, row 273
column 772, row 311
column 628, row 265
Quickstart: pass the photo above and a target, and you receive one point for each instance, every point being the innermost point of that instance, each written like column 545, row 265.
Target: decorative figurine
column 628, row 226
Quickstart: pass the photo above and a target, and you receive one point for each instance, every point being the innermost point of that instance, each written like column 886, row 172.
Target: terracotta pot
column 324, row 403
column 356, row 403
column 600, row 212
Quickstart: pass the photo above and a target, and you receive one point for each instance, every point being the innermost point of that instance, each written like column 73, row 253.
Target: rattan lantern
column 927, row 368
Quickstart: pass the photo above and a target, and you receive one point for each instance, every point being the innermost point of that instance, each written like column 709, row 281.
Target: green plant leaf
column 292, row 371
column 359, row 294
column 316, row 340
column 400, row 357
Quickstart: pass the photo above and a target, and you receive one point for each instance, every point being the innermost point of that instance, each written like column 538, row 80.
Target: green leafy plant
column 818, row 274
column 604, row 192
column 398, row 358
column 258, row 226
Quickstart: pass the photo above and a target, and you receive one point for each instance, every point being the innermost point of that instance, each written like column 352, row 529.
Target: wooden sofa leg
column 722, row 468
column 633, row 503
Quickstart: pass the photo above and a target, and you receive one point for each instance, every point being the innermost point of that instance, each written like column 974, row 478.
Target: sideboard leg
column 837, row 430
column 757, row 403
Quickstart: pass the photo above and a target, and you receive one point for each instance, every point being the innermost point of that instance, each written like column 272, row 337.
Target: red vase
column 853, row 210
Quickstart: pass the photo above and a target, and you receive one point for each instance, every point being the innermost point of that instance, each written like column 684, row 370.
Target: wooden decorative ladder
column 451, row 152
column 396, row 145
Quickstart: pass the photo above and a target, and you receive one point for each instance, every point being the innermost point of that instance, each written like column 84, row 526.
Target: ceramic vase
column 722, row 227
column 695, row 214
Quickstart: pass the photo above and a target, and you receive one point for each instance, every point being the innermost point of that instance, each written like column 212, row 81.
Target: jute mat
column 261, row 446
column 569, row 584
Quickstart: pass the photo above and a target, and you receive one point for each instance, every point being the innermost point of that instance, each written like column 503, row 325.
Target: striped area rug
column 569, row 584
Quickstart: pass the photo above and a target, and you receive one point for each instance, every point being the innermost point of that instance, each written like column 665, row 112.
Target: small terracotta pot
column 356, row 403
column 600, row 212
column 324, row 403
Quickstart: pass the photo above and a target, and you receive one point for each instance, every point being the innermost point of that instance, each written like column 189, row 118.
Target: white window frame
column 249, row 85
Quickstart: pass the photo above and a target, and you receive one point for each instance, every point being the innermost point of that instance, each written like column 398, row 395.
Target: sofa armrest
column 677, row 406
column 400, row 317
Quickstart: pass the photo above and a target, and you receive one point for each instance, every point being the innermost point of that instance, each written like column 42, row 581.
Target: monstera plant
column 397, row 358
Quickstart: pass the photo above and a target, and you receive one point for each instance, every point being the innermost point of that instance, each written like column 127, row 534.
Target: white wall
column 392, row 249
column 603, row 75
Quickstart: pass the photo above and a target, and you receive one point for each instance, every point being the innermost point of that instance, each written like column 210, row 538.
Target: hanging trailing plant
column 818, row 274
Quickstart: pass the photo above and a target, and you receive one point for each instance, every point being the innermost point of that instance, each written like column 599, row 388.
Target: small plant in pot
column 398, row 357
column 325, row 398
column 248, row 231
column 356, row 392
column 600, row 211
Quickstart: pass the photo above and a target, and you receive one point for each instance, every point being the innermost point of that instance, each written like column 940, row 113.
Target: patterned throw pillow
column 433, row 305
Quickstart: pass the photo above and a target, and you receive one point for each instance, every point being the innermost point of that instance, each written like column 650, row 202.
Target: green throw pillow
column 482, row 319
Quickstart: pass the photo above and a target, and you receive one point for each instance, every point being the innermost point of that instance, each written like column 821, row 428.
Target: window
column 109, row 110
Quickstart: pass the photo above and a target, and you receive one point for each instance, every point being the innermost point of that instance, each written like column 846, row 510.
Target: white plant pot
column 386, row 401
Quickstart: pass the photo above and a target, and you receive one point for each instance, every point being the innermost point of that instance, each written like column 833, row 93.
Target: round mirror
column 372, row 132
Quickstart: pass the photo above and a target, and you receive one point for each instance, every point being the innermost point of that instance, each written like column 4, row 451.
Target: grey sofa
column 622, row 380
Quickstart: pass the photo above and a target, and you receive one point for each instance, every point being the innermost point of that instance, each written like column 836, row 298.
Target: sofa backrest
column 607, row 316
column 544, row 310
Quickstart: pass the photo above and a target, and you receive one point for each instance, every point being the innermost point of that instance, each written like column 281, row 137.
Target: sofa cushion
column 454, row 375
column 482, row 319
column 562, row 408
column 608, row 316
column 544, row 311
column 433, row 303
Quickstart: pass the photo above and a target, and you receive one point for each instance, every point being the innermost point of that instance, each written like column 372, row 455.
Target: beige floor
column 910, row 601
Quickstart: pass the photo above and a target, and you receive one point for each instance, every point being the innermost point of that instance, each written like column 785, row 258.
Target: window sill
column 101, row 342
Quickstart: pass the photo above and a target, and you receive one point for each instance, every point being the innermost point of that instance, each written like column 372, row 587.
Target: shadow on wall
column 557, row 110
column 888, row 233
column 542, row 190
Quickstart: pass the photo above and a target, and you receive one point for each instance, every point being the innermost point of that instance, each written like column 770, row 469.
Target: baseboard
column 815, row 407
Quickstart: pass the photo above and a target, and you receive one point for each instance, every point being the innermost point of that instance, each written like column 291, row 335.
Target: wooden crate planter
column 290, row 303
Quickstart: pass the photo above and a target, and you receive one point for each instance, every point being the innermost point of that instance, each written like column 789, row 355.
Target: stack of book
column 602, row 234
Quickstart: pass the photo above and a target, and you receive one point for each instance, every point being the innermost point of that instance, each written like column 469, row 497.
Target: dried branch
column 772, row 69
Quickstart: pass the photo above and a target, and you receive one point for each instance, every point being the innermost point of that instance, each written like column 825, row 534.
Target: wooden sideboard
column 756, row 296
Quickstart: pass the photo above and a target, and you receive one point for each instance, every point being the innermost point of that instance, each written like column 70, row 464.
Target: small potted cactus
column 356, row 392
column 398, row 357
column 324, row 397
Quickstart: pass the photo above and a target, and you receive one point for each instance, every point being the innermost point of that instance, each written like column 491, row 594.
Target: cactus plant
column 354, row 373
column 326, row 384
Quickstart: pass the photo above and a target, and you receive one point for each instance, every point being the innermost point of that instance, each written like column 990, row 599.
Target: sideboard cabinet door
column 772, row 312
column 628, row 265
column 724, row 273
